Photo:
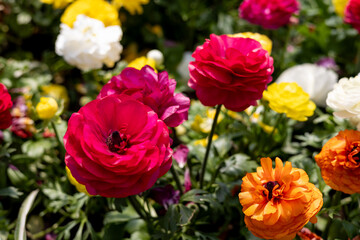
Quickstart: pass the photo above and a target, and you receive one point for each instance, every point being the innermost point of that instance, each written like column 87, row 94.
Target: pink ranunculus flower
column 268, row 14
column 230, row 71
column 5, row 105
column 352, row 14
column 116, row 146
column 153, row 89
column 180, row 155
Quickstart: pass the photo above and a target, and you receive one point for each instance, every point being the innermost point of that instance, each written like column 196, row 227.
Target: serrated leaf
column 116, row 217
column 351, row 229
column 186, row 214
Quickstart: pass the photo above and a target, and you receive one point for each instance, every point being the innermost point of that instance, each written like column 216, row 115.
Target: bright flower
column 46, row 108
column 278, row 202
column 352, row 14
column 265, row 42
column 315, row 80
column 187, row 180
column 117, row 147
column 203, row 124
column 339, row 161
column 204, row 141
column 157, row 56
column 57, row 3
column 97, row 9
column 345, row 98
column 153, row 89
column 289, row 98
column 56, row 91
column 133, row 6
column 89, row 43
column 180, row 155
column 306, row 234
column 141, row 62
column 340, row 6
column 230, row 71
column 5, row 105
column 22, row 125
column 79, row 187
column 268, row 14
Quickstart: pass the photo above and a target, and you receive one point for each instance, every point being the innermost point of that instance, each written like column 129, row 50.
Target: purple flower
column 180, row 155
column 165, row 196
column 153, row 89
column 50, row 236
column 328, row 63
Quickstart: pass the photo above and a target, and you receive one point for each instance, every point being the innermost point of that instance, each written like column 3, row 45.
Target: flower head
column 180, row 155
column 339, row 161
column 230, row 71
column 352, row 14
column 133, row 6
column 153, row 89
column 56, row 91
column 97, row 9
column 268, row 14
column 165, row 196
column 278, row 202
column 265, row 42
column 340, row 6
column 22, row 125
column 315, row 80
column 5, row 105
column 116, row 146
column 141, row 62
column 89, row 44
column 57, row 3
column 46, row 108
column 289, row 98
column 345, row 98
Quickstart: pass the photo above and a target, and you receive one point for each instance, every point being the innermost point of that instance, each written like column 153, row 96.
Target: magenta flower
column 180, row 155
column 117, row 146
column 5, row 105
column 230, row 71
column 165, row 196
column 352, row 14
column 187, row 180
column 153, row 89
column 268, row 14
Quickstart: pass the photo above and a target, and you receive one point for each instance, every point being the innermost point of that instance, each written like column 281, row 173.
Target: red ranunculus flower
column 230, row 71
column 153, row 89
column 352, row 14
column 117, row 146
column 268, row 14
column 5, row 105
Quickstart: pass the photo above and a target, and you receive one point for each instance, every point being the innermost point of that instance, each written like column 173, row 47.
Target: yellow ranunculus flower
column 265, row 42
column 133, row 6
column 46, row 108
column 57, row 3
column 204, row 141
column 290, row 98
column 201, row 124
column 79, row 186
column 56, row 91
column 97, row 9
column 340, row 6
column 140, row 62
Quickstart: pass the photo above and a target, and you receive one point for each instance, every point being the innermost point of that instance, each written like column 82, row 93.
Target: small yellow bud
column 46, row 108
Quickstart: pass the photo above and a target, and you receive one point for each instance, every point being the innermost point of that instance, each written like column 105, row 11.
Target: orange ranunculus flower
column 339, row 161
column 278, row 202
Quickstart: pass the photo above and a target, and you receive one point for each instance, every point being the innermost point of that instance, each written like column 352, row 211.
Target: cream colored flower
column 345, row 98
column 89, row 43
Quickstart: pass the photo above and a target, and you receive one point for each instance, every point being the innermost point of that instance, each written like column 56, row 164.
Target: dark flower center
column 270, row 186
column 354, row 155
column 117, row 142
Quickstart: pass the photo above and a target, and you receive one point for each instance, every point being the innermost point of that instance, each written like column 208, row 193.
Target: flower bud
column 46, row 108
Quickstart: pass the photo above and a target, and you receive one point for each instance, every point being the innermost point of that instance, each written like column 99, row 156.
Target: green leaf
column 194, row 195
column 10, row 192
column 116, row 217
column 238, row 164
column 36, row 149
column 351, row 229
column 186, row 214
column 20, row 232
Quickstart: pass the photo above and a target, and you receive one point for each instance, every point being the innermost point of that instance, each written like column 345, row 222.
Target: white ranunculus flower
column 345, row 98
column 316, row 80
column 89, row 44
column 157, row 56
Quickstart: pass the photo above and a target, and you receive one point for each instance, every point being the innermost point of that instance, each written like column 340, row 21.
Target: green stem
column 203, row 167
column 136, row 206
column 48, row 230
column 176, row 178
column 61, row 146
